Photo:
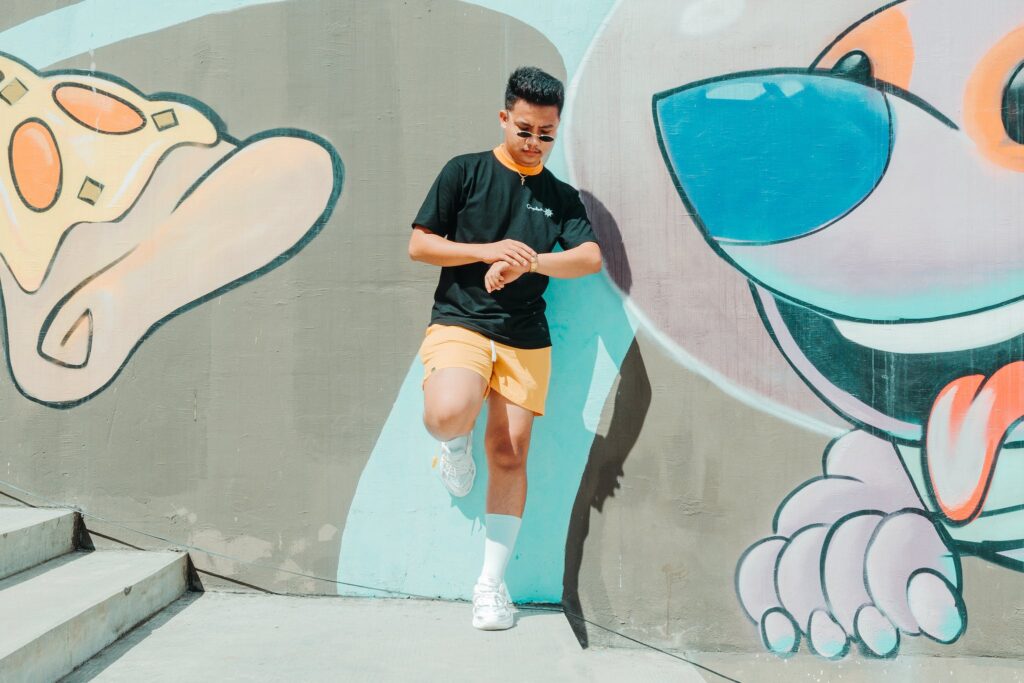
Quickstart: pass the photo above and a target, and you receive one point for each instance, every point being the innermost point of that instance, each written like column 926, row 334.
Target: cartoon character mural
column 120, row 210
column 887, row 280
column 849, row 194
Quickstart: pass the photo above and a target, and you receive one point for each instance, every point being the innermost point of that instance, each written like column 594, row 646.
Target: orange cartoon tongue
column 969, row 421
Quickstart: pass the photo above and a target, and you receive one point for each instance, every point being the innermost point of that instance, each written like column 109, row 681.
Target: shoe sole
column 455, row 493
column 499, row 626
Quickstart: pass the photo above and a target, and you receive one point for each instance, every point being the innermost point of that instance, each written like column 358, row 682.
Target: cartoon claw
column 755, row 584
column 937, row 606
column 905, row 543
column 876, row 632
column 755, row 578
column 779, row 633
column 842, row 566
column 826, row 637
column 797, row 575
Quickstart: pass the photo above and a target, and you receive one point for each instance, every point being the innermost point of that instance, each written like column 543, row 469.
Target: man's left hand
column 502, row 273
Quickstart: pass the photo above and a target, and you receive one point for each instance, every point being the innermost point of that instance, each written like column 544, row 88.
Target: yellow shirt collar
column 508, row 162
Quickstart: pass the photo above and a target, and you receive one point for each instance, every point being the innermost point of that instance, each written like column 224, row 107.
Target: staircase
column 59, row 604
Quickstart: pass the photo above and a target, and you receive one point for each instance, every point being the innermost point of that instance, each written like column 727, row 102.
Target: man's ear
column 503, row 117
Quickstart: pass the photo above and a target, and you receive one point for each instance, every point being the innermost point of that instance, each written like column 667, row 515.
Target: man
column 491, row 221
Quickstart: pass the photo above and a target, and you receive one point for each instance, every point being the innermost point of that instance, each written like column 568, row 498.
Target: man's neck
column 505, row 157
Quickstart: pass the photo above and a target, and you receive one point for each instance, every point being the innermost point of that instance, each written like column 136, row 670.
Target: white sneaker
column 492, row 607
column 457, row 467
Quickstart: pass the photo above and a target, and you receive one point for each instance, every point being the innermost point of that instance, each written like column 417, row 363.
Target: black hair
column 536, row 87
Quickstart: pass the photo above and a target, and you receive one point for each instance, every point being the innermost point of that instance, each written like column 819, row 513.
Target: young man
column 491, row 221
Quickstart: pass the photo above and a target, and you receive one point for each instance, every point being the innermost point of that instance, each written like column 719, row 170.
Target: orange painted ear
column 886, row 39
column 98, row 110
column 986, row 97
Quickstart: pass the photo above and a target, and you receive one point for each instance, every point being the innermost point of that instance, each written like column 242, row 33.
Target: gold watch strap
column 534, row 264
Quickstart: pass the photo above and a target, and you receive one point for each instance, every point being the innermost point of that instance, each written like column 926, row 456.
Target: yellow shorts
column 520, row 375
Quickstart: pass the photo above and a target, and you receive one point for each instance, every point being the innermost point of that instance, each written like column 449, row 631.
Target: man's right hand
column 512, row 252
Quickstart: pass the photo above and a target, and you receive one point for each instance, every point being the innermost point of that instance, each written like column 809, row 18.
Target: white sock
column 457, row 446
column 500, row 540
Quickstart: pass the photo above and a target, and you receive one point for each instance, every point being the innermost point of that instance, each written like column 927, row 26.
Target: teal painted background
column 403, row 531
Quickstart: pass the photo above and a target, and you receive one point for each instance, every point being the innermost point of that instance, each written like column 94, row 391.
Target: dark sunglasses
column 524, row 134
column 543, row 137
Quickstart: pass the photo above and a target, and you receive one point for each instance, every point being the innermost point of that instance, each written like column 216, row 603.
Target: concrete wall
column 213, row 344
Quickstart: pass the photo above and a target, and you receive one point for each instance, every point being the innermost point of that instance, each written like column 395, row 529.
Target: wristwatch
column 534, row 264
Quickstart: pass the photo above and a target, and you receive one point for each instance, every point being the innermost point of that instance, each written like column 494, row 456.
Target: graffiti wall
column 784, row 418
column 816, row 265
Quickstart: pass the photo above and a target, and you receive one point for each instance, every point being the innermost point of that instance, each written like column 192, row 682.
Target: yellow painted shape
column 165, row 119
column 13, row 91
column 90, row 191
column 123, row 163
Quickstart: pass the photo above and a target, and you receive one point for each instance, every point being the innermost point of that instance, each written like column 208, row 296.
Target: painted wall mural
column 121, row 209
column 809, row 213
column 891, row 299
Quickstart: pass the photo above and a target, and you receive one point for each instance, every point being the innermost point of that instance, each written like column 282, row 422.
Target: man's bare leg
column 507, row 442
column 452, row 398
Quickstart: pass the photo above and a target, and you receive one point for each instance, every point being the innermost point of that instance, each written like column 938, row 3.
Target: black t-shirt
column 476, row 199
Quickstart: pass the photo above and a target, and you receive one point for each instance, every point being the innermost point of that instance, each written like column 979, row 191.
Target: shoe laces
column 454, row 466
column 492, row 597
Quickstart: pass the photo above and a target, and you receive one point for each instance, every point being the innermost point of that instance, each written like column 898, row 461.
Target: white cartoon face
column 873, row 200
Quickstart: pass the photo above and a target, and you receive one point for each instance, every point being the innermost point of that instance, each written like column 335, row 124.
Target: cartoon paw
column 868, row 578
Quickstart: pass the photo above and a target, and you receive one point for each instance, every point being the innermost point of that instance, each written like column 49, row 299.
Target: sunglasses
column 524, row 134
column 543, row 137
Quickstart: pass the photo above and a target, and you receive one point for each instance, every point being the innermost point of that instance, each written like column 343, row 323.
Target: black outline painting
column 870, row 552
column 167, row 212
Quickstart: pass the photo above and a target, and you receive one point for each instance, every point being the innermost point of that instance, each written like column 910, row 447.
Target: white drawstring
column 494, row 352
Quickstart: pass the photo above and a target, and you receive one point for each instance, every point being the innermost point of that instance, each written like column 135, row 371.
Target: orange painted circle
column 887, row 41
column 98, row 110
column 35, row 164
column 983, row 102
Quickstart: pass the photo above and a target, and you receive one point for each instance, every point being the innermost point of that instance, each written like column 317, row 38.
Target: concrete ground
column 255, row 637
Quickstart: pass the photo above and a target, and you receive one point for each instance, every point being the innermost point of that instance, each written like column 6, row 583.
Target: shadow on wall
column 602, row 474
column 616, row 261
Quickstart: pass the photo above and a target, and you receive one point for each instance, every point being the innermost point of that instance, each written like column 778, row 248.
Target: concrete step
column 59, row 614
column 30, row 536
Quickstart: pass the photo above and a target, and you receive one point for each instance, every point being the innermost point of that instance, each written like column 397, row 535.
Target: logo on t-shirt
column 547, row 212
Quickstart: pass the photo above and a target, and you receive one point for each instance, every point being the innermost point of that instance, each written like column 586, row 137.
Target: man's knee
column 448, row 421
column 506, row 453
